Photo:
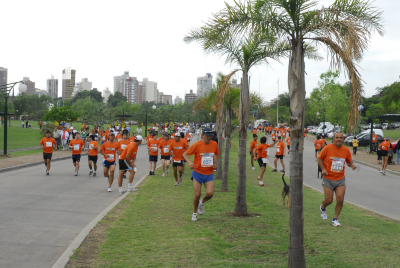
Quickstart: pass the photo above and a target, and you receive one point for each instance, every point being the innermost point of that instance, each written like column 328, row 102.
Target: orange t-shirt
column 178, row 148
column 104, row 137
column 288, row 141
column 265, row 129
column 254, row 131
column 253, row 144
column 334, row 161
column 132, row 139
column 374, row 138
column 118, row 138
column 92, row 145
column 149, row 137
column 273, row 136
column 200, row 150
column 153, row 144
column 123, row 144
column 110, row 149
column 131, row 149
column 164, row 146
column 48, row 144
column 317, row 144
column 262, row 150
column 280, row 148
column 384, row 146
column 283, row 133
column 188, row 137
column 76, row 146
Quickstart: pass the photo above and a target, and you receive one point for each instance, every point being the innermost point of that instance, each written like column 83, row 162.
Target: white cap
column 139, row 138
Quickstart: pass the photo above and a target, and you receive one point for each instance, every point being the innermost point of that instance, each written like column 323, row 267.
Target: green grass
column 393, row 134
column 18, row 137
column 154, row 229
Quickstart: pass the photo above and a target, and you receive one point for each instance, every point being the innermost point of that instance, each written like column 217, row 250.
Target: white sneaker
column 180, row 179
column 335, row 223
column 384, row 172
column 163, row 174
column 381, row 171
column 122, row 192
column 253, row 168
column 167, row 171
column 76, row 173
column 131, row 189
column 261, row 183
column 200, row 209
column 47, row 173
column 177, row 183
column 194, row 217
column 324, row 216
column 258, row 178
column 109, row 189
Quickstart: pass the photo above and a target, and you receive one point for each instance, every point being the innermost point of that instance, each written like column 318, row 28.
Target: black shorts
column 279, row 156
column 316, row 150
column 93, row 158
column 384, row 153
column 47, row 155
column 260, row 162
column 177, row 164
column 288, row 146
column 76, row 158
column 123, row 165
column 153, row 158
column 166, row 157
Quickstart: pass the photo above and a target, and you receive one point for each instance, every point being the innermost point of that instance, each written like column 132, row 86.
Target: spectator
column 23, row 124
column 57, row 136
column 64, row 138
column 397, row 150
column 40, row 126
column 355, row 145
column 27, row 124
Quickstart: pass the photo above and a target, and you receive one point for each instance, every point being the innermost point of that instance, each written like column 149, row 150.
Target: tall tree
column 65, row 113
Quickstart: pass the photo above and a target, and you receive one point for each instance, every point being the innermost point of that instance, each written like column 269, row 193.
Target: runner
column 152, row 146
column 104, row 137
column 254, row 131
column 253, row 144
column 176, row 150
column 266, row 130
column 332, row 161
column 206, row 156
column 283, row 133
column 47, row 145
column 118, row 137
column 280, row 154
column 385, row 146
column 288, row 145
column 132, row 138
column 187, row 146
column 109, row 150
column 188, row 137
column 317, row 146
column 165, row 156
column 198, row 133
column 273, row 136
column 93, row 154
column 76, row 145
column 149, row 137
column 123, row 143
column 262, row 150
column 130, row 153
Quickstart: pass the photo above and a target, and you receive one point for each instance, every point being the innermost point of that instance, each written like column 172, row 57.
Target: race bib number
column 49, row 144
column 264, row 160
column 76, row 147
column 278, row 150
column 166, row 150
column 123, row 146
column 110, row 157
column 337, row 164
column 207, row 160
column 91, row 146
column 175, row 161
column 103, row 138
column 154, row 149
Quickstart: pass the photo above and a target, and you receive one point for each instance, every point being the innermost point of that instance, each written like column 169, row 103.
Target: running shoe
column 335, row 223
column 122, row 192
column 91, row 172
column 253, row 168
column 131, row 189
column 194, row 217
column 150, row 173
column 163, row 174
column 274, row 170
column 183, row 173
column 261, row 183
column 177, row 183
column 76, row 173
column 324, row 216
column 167, row 171
column 94, row 174
column 180, row 179
column 282, row 171
column 109, row 189
column 200, row 209
column 384, row 172
column 47, row 173
column 381, row 171
column 258, row 178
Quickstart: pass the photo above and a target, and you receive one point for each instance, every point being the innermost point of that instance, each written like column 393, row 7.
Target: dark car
column 391, row 126
column 378, row 126
column 364, row 140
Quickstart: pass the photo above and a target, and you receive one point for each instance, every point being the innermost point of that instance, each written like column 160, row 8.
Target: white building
column 178, row 100
column 149, row 91
column 127, row 85
column 204, row 85
column 85, row 85
column 52, row 87
column 106, row 94
column 40, row 92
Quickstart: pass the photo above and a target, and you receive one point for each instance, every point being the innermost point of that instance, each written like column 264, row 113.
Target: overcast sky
column 102, row 39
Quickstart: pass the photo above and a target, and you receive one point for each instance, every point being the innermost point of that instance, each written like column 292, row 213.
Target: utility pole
column 277, row 106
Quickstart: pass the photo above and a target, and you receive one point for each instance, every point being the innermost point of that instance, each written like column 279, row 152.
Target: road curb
column 65, row 257
column 377, row 167
column 33, row 164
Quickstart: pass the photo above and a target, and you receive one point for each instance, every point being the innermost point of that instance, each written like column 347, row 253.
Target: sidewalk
column 30, row 159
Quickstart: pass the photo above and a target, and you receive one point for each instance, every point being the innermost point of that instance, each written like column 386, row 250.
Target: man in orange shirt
column 152, row 146
column 374, row 141
column 206, row 156
column 104, row 137
column 385, row 146
column 132, row 138
column 317, row 145
column 280, row 154
column 109, row 150
column 47, row 144
column 123, row 143
column 93, row 154
column 254, row 131
column 176, row 150
column 188, row 137
column 332, row 160
column 165, row 156
column 283, row 132
column 273, row 135
column 266, row 130
column 262, row 150
column 76, row 145
column 288, row 145
column 253, row 144
column 119, row 137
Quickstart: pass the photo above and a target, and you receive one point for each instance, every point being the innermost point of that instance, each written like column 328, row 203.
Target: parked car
column 363, row 139
column 397, row 125
column 391, row 126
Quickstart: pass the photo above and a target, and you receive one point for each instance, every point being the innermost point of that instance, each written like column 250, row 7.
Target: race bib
column 207, row 160
column 166, row 150
column 278, row 150
column 154, row 149
column 91, row 146
column 264, row 160
column 104, row 138
column 49, row 144
column 110, row 157
column 76, row 147
column 123, row 146
column 175, row 161
column 337, row 164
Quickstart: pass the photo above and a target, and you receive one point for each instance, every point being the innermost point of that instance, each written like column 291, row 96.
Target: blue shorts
column 76, row 158
column 153, row 158
column 108, row 164
column 200, row 178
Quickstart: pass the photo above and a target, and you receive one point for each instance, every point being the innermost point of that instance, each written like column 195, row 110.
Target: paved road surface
column 365, row 186
column 41, row 215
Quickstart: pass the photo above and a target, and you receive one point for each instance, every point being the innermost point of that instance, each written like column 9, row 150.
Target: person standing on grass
column 64, row 138
column 280, row 154
column 253, row 145
column 332, row 160
column 152, row 146
column 109, row 150
column 262, row 150
column 397, row 150
column 206, row 156
column 165, row 156
column 40, row 124
column 76, row 145
column 47, row 144
column 27, row 123
column 23, row 124
column 385, row 146
column 56, row 136
column 83, row 136
column 93, row 152
column 176, row 150
column 355, row 145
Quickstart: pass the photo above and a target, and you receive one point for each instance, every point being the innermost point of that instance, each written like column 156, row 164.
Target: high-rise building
column 68, row 83
column 149, row 91
column 85, row 84
column 160, row 97
column 178, row 100
column 52, row 87
column 106, row 94
column 30, row 86
column 167, row 99
column 235, row 84
column 40, row 92
column 118, row 82
column 190, row 97
column 204, row 85
column 3, row 76
column 127, row 85
column 139, row 95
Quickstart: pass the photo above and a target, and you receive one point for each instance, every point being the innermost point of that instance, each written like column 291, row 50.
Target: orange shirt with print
column 76, row 144
column 131, row 149
column 118, row 138
column 254, row 131
column 317, row 144
column 188, row 137
column 384, row 146
column 280, row 148
column 198, row 149
column 283, row 133
column 273, row 136
column 110, row 149
column 132, row 139
column 104, row 137
column 164, row 146
column 48, row 144
column 262, row 150
column 153, row 144
column 253, row 144
column 178, row 148
column 265, row 129
column 123, row 144
column 288, row 141
column 374, row 138
column 331, row 153
column 92, row 145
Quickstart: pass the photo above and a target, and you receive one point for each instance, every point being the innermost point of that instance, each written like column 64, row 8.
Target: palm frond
column 223, row 89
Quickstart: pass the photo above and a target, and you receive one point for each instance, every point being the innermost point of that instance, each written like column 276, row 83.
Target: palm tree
column 344, row 29
column 245, row 51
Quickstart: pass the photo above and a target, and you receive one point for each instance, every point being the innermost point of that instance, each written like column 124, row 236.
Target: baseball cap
column 207, row 131
column 111, row 133
column 138, row 138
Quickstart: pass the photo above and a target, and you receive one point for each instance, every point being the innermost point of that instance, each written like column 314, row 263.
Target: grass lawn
column 18, row 137
column 393, row 134
column 152, row 228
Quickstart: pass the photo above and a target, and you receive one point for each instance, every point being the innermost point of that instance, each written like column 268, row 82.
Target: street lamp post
column 5, row 91
column 154, row 107
column 323, row 126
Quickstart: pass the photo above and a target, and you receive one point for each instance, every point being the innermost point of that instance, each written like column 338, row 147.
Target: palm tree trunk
column 219, row 135
column 228, row 126
column 297, row 110
column 241, row 205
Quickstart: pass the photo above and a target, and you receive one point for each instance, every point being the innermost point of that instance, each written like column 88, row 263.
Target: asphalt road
column 365, row 186
column 41, row 215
